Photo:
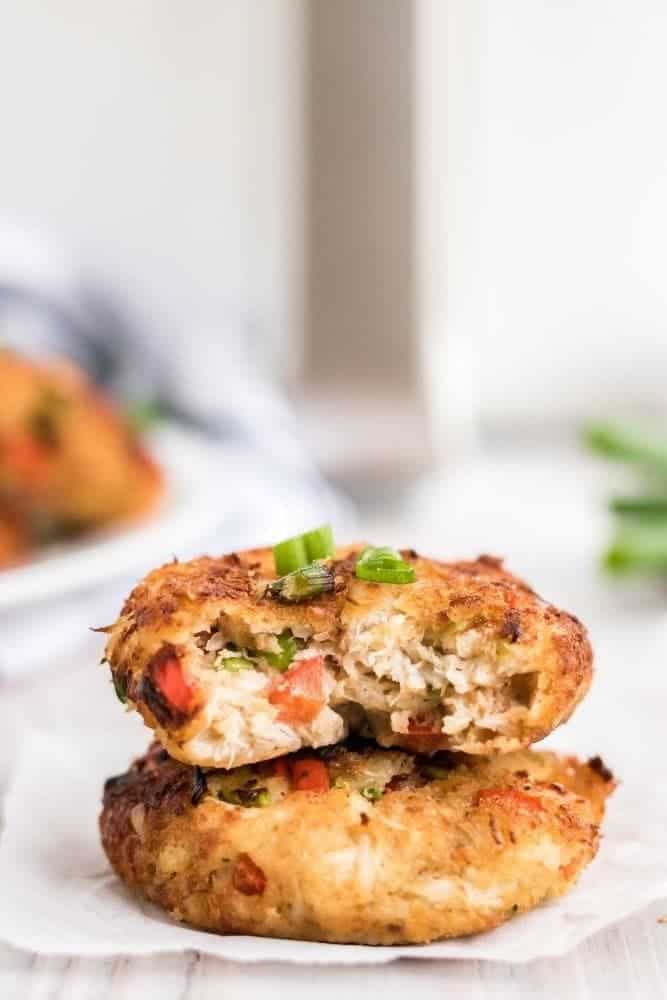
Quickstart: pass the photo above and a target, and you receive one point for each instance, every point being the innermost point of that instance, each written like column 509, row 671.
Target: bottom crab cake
column 354, row 844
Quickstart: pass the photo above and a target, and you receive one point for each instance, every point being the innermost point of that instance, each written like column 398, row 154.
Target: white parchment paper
column 59, row 896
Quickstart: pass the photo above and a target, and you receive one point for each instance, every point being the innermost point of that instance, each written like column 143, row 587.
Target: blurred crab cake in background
column 15, row 537
column 69, row 461
column 349, row 845
column 245, row 657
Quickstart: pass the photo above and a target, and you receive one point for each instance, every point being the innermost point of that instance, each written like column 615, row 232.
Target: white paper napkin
column 60, row 898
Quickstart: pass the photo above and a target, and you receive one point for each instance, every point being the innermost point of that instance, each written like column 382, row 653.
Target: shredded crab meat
column 460, row 680
column 239, row 718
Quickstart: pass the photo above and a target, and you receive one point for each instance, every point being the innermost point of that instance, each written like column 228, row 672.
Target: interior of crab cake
column 245, row 687
column 358, row 765
column 383, row 674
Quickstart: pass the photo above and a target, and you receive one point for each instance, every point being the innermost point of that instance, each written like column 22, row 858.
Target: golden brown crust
column 452, row 856
column 179, row 601
column 68, row 460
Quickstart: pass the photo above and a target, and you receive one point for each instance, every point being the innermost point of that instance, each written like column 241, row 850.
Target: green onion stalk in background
column 639, row 542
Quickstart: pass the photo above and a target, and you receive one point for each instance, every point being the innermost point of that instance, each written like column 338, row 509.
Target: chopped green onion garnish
column 310, row 581
column 381, row 553
column 384, row 565
column 383, row 574
column 372, row 793
column 120, row 687
column 262, row 799
column 233, row 663
column 290, row 555
column 319, row 543
column 301, row 550
column 288, row 650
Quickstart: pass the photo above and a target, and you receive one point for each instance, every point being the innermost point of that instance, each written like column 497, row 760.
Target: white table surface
column 542, row 511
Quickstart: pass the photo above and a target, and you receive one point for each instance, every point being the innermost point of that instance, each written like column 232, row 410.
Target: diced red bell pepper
column 173, row 685
column 310, row 775
column 299, row 693
column 280, row 768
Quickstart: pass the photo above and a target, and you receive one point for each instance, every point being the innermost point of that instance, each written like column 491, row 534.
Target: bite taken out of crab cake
column 230, row 666
column 348, row 845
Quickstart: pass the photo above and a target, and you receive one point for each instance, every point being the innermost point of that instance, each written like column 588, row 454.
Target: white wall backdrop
column 168, row 141
column 575, row 219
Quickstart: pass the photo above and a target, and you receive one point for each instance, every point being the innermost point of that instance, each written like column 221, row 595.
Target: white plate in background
column 191, row 509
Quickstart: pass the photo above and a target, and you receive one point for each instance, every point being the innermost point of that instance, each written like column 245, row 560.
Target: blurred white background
column 483, row 232
column 576, row 208
column 163, row 141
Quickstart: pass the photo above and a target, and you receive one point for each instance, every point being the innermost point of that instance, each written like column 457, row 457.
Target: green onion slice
column 310, row 581
column 233, row 663
column 290, row 555
column 288, row 650
column 380, row 553
column 372, row 793
column 319, row 543
column 383, row 574
column 262, row 798
column 384, row 565
column 301, row 550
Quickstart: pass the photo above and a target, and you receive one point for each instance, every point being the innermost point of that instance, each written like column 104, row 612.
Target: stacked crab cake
column 342, row 741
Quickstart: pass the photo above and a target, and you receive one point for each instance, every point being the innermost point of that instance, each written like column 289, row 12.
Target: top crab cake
column 69, row 462
column 228, row 670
